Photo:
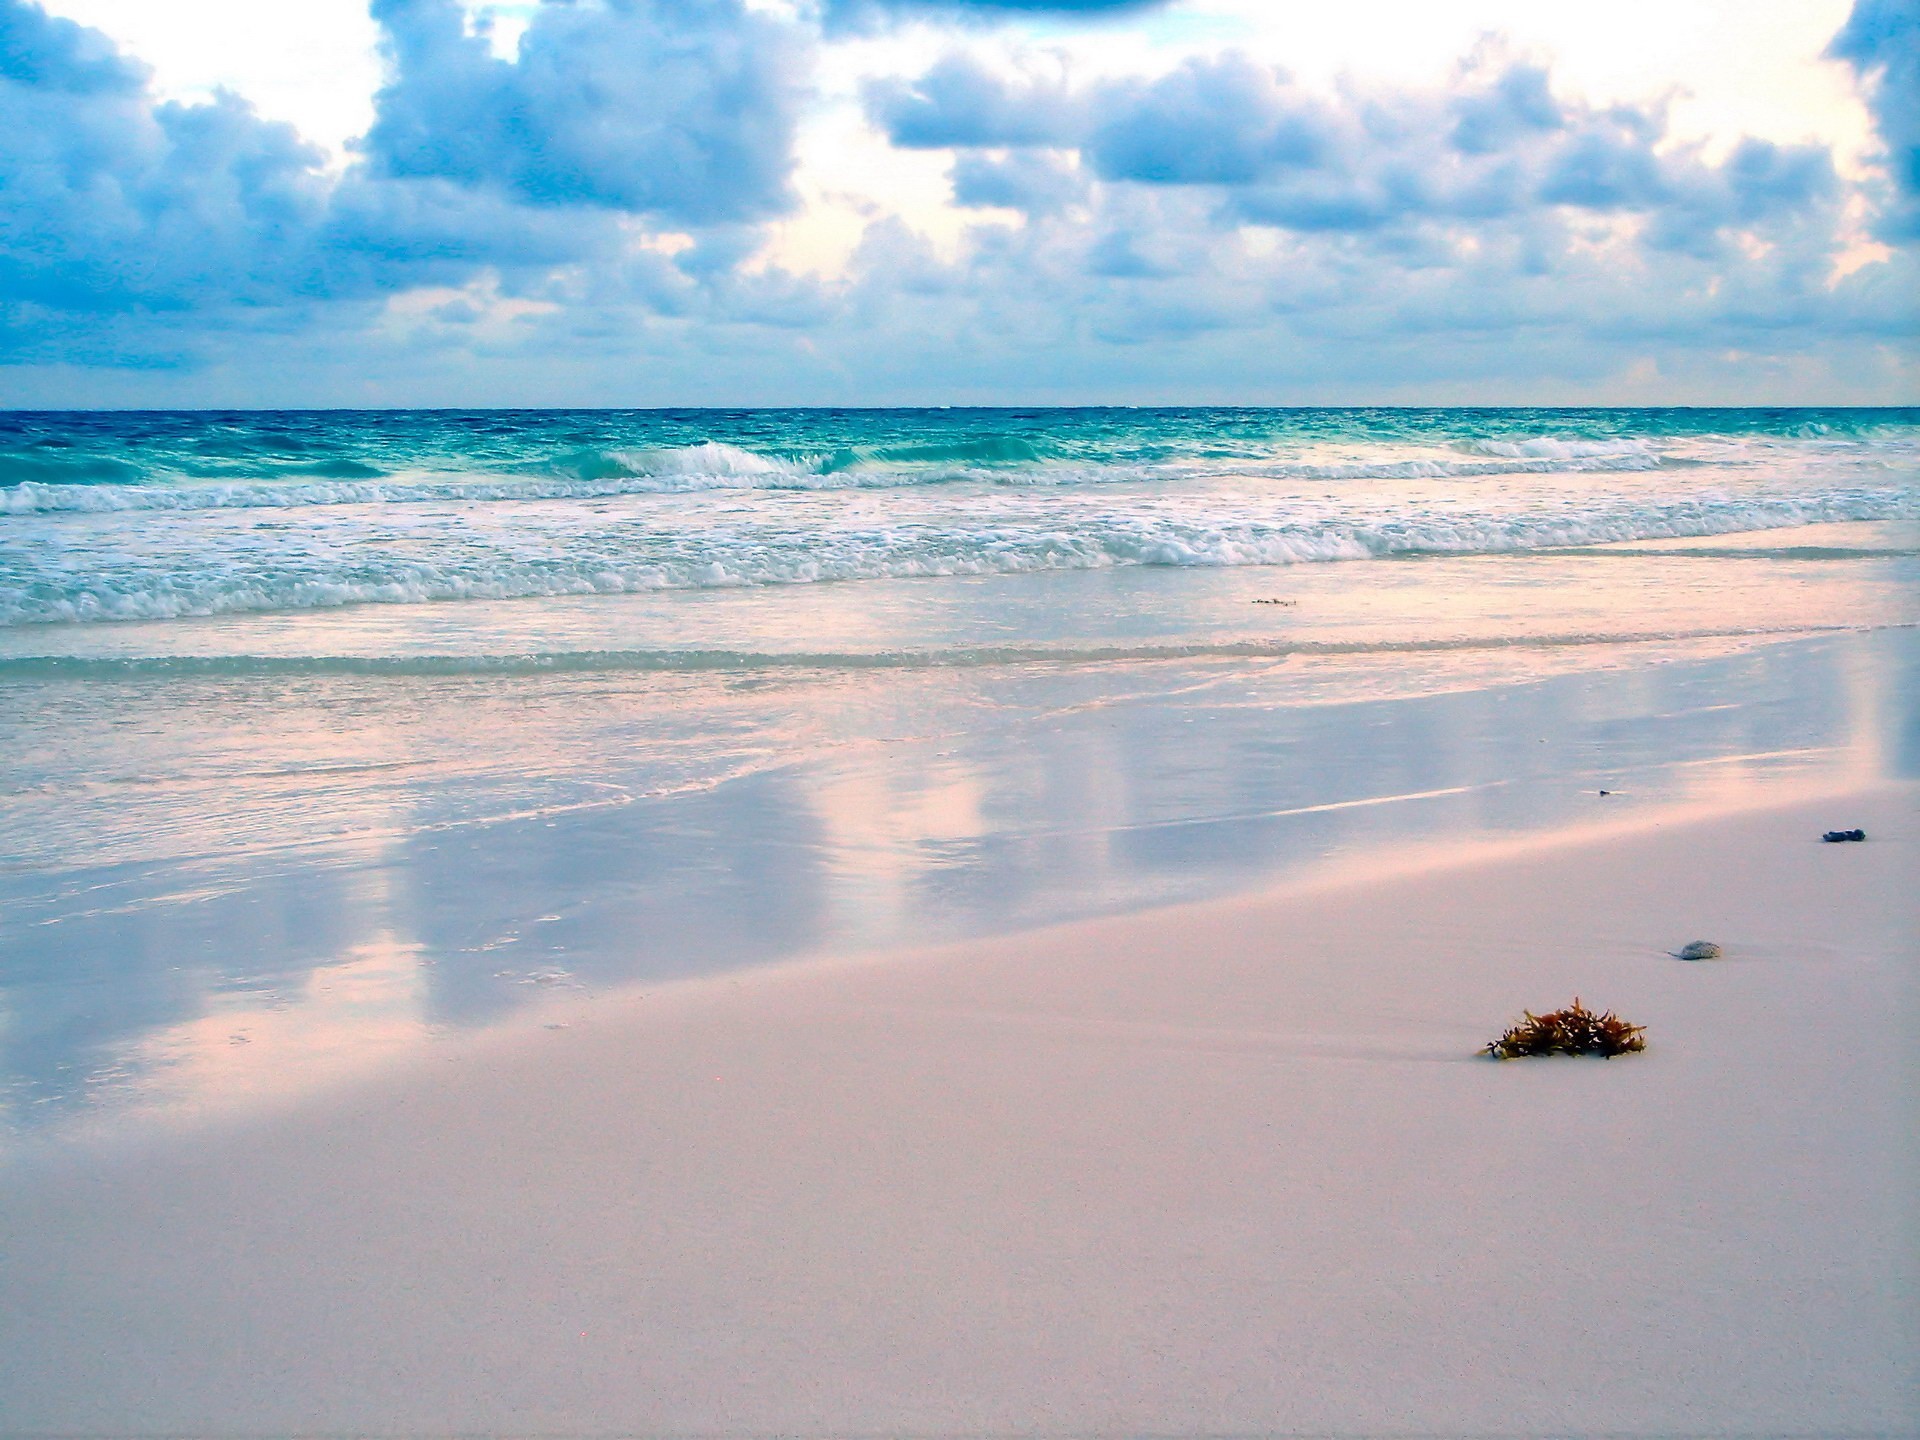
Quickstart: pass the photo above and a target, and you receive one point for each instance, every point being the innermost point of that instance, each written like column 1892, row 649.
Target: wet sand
column 1230, row 1167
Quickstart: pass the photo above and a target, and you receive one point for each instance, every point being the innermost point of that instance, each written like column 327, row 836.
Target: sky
column 219, row 203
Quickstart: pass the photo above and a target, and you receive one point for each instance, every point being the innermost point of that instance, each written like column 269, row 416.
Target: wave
column 562, row 662
column 711, row 461
column 598, row 474
column 64, row 470
column 716, row 460
column 1553, row 447
column 621, row 559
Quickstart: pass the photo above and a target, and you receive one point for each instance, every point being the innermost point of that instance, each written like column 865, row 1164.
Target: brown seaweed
column 1575, row 1030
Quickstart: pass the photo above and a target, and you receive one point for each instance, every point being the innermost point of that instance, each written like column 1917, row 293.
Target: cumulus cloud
column 1489, row 226
column 683, row 109
column 1221, row 121
column 597, row 207
column 1145, row 292
column 108, row 199
column 1519, row 102
column 1499, row 144
column 1025, row 7
column 1037, row 182
column 961, row 102
column 867, row 14
column 1881, row 40
column 115, row 204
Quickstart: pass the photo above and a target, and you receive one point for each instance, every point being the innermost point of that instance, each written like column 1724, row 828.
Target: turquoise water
column 119, row 517
column 301, row 451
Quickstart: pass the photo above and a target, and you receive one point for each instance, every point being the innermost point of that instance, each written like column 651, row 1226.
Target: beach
column 916, row 719
column 568, row 923
column 1225, row 1168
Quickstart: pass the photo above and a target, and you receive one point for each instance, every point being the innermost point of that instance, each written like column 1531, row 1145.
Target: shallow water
column 236, row 888
column 256, row 836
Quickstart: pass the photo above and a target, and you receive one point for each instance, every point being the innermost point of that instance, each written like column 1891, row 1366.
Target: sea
column 329, row 736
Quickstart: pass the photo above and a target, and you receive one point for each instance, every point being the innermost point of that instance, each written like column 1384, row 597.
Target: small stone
column 1834, row 837
column 1700, row 950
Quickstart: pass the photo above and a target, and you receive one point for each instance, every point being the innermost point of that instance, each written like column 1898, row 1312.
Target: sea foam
column 319, row 567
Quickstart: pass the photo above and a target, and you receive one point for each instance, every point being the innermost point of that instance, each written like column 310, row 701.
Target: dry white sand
column 1228, row 1168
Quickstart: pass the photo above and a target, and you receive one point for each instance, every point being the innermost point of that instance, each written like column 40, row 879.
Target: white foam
column 1553, row 447
column 317, row 566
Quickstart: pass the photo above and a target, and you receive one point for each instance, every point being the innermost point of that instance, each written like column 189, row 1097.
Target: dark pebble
column 1834, row 837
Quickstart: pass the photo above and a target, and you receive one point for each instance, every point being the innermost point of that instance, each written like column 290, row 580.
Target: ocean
column 116, row 517
column 331, row 733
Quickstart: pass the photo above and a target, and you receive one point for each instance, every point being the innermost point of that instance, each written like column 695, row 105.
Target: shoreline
column 221, row 893
column 1229, row 1165
column 165, row 1117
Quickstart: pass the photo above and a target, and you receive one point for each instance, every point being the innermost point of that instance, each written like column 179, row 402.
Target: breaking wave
column 322, row 571
column 591, row 474
column 1551, row 447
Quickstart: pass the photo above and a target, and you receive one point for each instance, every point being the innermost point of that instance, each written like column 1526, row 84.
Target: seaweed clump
column 1575, row 1030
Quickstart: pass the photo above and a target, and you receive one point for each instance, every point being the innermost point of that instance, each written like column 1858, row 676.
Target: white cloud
column 312, row 63
column 1356, row 217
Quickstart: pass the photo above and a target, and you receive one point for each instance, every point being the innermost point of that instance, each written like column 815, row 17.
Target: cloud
column 118, row 210
column 1037, row 182
column 115, row 205
column 108, row 199
column 1881, row 41
column 589, row 221
column 680, row 109
column 1517, row 104
column 1026, row 7
column 1498, row 144
column 40, row 52
column 842, row 15
column 1222, row 121
column 960, row 102
column 1144, row 292
column 1220, row 214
